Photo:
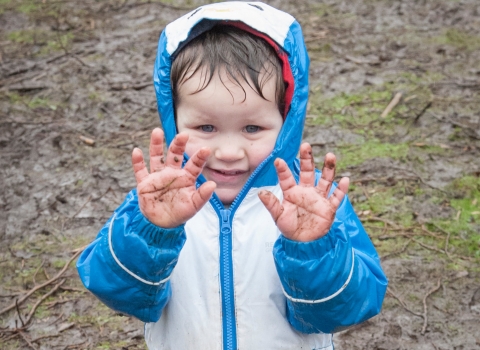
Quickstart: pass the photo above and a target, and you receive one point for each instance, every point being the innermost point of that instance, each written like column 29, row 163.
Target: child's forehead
column 225, row 89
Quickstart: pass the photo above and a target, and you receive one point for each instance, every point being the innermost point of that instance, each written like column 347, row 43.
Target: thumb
column 203, row 194
column 271, row 203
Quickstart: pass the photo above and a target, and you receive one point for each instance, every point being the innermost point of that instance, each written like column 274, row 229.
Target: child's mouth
column 219, row 175
column 229, row 172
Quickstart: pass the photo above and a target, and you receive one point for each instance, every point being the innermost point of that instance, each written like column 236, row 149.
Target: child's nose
column 229, row 151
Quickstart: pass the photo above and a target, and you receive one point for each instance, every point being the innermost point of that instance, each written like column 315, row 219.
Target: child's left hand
column 306, row 213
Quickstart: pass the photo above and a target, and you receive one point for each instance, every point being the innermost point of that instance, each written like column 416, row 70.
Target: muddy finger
column 328, row 174
column 339, row 193
column 176, row 150
column 285, row 176
column 307, row 167
column 271, row 202
column 203, row 194
column 157, row 159
column 138, row 164
column 195, row 165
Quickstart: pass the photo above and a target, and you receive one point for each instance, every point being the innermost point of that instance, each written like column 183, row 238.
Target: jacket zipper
column 226, row 262
column 226, row 273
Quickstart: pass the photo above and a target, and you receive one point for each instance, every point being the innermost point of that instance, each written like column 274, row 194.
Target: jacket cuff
column 315, row 271
column 146, row 252
column 317, row 248
column 154, row 235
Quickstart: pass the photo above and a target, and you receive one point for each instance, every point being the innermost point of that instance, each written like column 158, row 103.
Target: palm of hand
column 167, row 195
column 305, row 213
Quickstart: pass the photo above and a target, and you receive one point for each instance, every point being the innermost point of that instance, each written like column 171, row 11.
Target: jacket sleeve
column 129, row 264
column 333, row 282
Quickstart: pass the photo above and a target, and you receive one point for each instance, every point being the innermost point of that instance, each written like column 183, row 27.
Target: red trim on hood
column 286, row 70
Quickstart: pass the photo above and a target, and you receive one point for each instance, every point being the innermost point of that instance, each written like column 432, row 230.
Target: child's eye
column 252, row 128
column 207, row 128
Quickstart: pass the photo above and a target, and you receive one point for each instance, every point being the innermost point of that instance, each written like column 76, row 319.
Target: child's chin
column 226, row 196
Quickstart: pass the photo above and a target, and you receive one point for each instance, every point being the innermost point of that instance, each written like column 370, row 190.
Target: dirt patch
column 83, row 69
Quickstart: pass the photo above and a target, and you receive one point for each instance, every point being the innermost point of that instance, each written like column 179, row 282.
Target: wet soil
column 76, row 96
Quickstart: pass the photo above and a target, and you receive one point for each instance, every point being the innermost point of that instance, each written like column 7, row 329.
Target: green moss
column 351, row 155
column 29, row 6
column 340, row 108
column 464, row 227
column 32, row 102
column 49, row 41
column 23, row 36
column 57, row 43
column 37, row 102
column 59, row 263
column 458, row 38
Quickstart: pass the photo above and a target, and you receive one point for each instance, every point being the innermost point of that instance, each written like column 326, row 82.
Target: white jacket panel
column 195, row 305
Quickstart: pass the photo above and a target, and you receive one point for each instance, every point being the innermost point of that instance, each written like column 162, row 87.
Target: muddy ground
column 72, row 69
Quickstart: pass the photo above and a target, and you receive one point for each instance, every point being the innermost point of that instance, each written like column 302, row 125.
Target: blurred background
column 395, row 94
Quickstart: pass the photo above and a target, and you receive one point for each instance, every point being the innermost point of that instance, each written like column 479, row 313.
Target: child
column 232, row 78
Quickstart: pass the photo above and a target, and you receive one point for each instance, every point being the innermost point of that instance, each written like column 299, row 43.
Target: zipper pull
column 225, row 228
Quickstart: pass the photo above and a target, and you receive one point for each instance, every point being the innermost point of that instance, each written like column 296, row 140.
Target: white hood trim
column 267, row 20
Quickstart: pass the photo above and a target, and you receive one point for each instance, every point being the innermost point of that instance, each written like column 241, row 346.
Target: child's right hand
column 167, row 196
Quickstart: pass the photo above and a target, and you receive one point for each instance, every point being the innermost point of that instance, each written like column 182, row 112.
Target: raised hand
column 167, row 195
column 306, row 213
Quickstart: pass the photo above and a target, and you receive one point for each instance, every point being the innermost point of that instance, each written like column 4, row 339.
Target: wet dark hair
column 241, row 55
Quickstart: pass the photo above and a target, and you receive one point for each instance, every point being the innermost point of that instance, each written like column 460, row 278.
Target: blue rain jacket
column 228, row 279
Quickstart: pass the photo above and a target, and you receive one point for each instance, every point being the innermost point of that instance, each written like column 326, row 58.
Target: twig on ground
column 468, row 130
column 24, row 337
column 83, row 206
column 70, row 54
column 360, row 60
column 56, row 320
column 407, row 234
column 19, row 314
column 396, row 99
column 87, row 140
column 45, row 337
column 37, row 304
column 424, row 229
column 425, row 309
column 11, row 295
column 446, row 244
column 438, row 228
column 376, row 218
column 79, row 250
column 14, row 335
column 421, row 179
column 396, row 235
column 26, row 88
column 365, row 192
column 58, row 302
column 33, row 290
column 385, row 178
column 65, row 327
column 398, row 251
column 422, row 112
column 72, row 289
column 402, row 303
column 36, row 271
column 46, row 274
column 426, row 246
column 381, row 228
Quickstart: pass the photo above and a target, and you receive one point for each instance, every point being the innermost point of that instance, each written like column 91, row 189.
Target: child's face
column 239, row 127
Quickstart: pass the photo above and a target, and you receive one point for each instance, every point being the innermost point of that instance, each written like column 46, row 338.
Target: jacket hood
column 281, row 30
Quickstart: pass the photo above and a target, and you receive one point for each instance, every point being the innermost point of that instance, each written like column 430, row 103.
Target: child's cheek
column 192, row 146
